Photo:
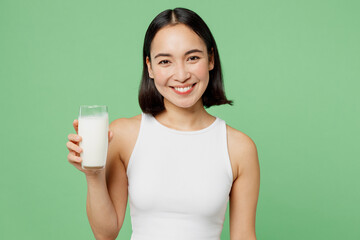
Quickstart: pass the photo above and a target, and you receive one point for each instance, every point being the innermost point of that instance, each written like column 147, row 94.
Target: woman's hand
column 75, row 150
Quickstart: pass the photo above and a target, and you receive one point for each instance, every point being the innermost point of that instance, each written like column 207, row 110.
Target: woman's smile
column 184, row 90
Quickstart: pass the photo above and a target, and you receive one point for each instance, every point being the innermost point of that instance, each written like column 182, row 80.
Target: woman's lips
column 184, row 90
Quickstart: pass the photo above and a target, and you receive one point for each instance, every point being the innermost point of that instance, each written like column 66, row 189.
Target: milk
column 94, row 133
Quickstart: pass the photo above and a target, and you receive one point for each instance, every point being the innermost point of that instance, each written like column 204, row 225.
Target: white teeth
column 183, row 89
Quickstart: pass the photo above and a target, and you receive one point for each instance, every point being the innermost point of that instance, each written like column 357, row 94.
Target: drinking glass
column 93, row 129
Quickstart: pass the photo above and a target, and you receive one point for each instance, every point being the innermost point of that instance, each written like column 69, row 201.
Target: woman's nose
column 181, row 73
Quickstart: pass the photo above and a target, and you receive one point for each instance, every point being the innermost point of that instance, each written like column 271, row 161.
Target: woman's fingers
column 73, row 158
column 74, row 138
column 73, row 147
column 76, row 125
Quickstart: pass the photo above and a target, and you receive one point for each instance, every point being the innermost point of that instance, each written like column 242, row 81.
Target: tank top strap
column 224, row 145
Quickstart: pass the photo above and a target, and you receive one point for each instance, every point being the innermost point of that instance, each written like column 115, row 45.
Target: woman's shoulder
column 238, row 137
column 125, row 132
column 242, row 149
column 125, row 128
column 123, row 124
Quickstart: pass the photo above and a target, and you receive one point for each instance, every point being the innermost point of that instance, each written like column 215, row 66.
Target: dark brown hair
column 150, row 100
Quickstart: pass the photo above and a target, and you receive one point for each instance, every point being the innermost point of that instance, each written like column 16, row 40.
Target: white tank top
column 179, row 182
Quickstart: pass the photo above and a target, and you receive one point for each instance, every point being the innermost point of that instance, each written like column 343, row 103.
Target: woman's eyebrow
column 169, row 55
column 193, row 51
column 163, row 55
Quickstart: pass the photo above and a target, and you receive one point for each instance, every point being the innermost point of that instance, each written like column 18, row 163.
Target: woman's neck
column 185, row 119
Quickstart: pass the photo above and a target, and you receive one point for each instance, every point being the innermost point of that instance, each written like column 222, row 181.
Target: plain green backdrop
column 291, row 67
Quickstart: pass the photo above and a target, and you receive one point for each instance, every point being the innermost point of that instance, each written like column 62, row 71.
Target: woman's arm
column 106, row 212
column 107, row 192
column 245, row 190
column 107, row 188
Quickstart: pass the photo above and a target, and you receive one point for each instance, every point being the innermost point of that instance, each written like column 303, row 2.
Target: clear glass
column 93, row 128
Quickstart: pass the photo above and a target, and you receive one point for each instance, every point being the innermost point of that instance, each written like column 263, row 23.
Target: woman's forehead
column 176, row 38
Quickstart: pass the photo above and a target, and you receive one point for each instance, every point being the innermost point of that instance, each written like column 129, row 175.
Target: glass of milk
column 93, row 129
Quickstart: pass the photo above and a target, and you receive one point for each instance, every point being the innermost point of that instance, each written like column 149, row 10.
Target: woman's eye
column 164, row 62
column 193, row 58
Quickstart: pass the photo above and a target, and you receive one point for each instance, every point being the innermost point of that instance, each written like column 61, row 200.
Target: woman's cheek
column 161, row 74
column 201, row 71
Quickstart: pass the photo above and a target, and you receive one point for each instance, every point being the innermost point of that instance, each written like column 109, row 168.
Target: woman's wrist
column 95, row 176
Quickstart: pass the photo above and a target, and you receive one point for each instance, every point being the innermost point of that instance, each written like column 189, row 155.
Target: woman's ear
column 148, row 63
column 211, row 60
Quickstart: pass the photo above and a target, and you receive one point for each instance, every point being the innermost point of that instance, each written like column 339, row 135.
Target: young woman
column 178, row 164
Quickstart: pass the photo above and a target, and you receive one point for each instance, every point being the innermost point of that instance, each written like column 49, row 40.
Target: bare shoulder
column 242, row 151
column 239, row 139
column 125, row 125
column 125, row 132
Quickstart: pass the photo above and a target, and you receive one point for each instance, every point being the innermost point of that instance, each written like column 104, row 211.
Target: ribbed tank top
column 179, row 182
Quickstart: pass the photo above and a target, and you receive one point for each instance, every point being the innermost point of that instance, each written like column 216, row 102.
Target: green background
column 291, row 67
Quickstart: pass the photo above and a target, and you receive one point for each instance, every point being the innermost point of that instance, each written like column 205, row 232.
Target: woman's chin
column 187, row 104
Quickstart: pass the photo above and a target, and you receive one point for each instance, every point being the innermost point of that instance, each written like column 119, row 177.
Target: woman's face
column 179, row 65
